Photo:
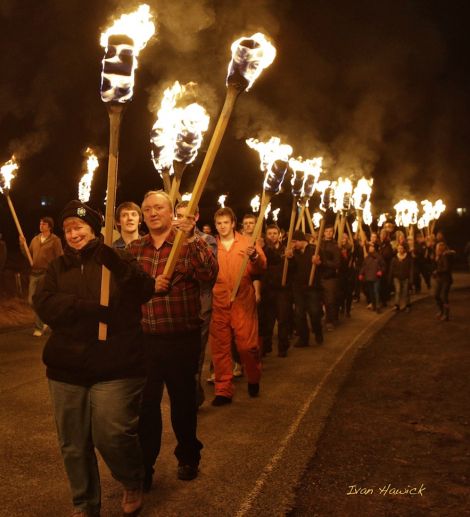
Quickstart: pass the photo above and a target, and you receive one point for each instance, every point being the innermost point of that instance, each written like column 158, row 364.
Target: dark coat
column 68, row 301
column 330, row 259
column 401, row 269
column 372, row 267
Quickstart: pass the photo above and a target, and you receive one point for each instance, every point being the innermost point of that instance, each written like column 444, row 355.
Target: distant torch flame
column 7, row 173
column 343, row 194
column 255, row 203
column 186, row 196
column 221, row 200
column 84, row 187
column 177, row 132
column 438, row 209
column 406, row 212
column 311, row 170
column 367, row 213
column 362, row 193
column 250, row 56
column 354, row 226
column 122, row 42
column 275, row 214
column 268, row 209
column 273, row 161
column 381, row 220
column 316, row 218
column 326, row 189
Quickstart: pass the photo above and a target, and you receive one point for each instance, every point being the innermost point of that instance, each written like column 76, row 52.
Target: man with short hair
column 206, row 296
column 172, row 332
column 128, row 218
column 328, row 273
column 248, row 224
column 238, row 318
column 44, row 248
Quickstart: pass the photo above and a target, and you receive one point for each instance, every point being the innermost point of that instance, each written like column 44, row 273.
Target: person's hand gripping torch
column 250, row 56
column 274, row 157
column 7, row 173
column 122, row 42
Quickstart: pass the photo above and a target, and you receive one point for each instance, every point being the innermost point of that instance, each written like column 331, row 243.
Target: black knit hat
column 298, row 235
column 78, row 209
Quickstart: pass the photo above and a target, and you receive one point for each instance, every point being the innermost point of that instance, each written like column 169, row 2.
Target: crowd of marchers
column 227, row 292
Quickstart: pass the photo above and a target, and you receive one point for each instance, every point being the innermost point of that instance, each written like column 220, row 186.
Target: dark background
column 378, row 88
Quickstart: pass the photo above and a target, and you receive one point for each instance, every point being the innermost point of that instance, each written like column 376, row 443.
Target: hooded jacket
column 68, row 301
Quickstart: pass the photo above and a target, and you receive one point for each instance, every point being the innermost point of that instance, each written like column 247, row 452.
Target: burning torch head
column 7, row 173
column 309, row 185
column 194, row 121
column 275, row 177
column 249, row 57
column 117, row 77
column 297, row 183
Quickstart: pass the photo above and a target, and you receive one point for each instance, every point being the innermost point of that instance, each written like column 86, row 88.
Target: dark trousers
column 441, row 292
column 330, row 299
column 373, row 290
column 276, row 304
column 307, row 302
column 172, row 360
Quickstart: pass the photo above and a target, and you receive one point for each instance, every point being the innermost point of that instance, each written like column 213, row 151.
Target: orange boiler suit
column 239, row 317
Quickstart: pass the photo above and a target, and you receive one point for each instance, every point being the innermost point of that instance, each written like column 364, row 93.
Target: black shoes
column 220, row 400
column 187, row 472
column 253, row 389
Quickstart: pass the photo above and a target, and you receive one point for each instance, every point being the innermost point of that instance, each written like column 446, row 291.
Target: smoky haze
column 377, row 88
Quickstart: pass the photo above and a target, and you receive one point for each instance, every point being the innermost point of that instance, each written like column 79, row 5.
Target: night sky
column 379, row 88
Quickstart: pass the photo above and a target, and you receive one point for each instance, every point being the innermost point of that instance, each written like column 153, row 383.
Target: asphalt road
column 255, row 449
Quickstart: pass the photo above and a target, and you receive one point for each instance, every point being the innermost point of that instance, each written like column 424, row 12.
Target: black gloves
column 110, row 258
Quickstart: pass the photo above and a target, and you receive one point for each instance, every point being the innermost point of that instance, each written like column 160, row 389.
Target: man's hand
column 316, row 260
column 289, row 253
column 186, row 225
column 252, row 253
column 162, row 284
column 22, row 240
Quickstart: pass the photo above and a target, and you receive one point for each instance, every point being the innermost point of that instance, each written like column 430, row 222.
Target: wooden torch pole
column 166, row 180
column 265, row 199
column 289, row 240
column 18, row 227
column 310, row 221
column 115, row 115
column 175, row 186
column 230, row 98
column 317, row 251
column 298, row 224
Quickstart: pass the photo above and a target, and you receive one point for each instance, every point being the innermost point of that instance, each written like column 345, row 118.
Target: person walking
column 44, row 248
column 443, row 276
column 371, row 272
column 172, row 332
column 95, row 386
column 401, row 276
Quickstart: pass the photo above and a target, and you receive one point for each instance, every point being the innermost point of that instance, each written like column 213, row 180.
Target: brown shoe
column 131, row 502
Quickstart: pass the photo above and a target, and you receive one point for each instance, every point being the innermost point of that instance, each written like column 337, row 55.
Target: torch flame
column 255, row 203
column 326, row 189
column 275, row 214
column 221, row 200
column 362, row 193
column 268, row 209
column 316, row 218
column 7, row 173
column 312, row 168
column 186, row 196
column 177, row 132
column 406, row 212
column 343, row 193
column 123, row 41
column 438, row 209
column 270, row 152
column 250, row 56
column 381, row 220
column 367, row 213
column 84, row 187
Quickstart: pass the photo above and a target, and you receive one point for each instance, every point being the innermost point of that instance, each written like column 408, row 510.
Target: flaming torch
column 84, row 187
column 274, row 158
column 7, row 173
column 406, row 215
column 343, row 195
column 221, row 200
column 311, row 172
column 438, row 209
column 361, row 196
column 275, row 214
column 250, row 56
column 122, row 42
column 255, row 204
column 327, row 190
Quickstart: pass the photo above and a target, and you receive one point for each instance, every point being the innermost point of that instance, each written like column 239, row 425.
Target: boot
column 445, row 313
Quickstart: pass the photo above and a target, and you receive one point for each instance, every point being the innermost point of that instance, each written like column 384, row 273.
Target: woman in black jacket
column 400, row 275
column 443, row 276
column 95, row 386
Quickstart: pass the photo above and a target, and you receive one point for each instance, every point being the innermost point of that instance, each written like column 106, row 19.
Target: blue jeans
column 33, row 285
column 104, row 415
column 373, row 289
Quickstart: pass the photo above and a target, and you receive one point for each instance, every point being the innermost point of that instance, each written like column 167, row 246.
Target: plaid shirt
column 178, row 310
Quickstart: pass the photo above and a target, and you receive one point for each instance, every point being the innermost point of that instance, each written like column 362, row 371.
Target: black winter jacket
column 68, row 301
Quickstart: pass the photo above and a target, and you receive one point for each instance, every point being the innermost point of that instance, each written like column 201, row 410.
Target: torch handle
column 175, row 186
column 115, row 114
column 224, row 117
column 342, row 222
column 289, row 240
column 266, row 198
column 20, row 231
column 310, row 221
column 351, row 236
column 317, row 251
column 166, row 181
column 301, row 215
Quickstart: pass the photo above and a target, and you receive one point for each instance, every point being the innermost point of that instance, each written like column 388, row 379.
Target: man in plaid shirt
column 172, row 329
